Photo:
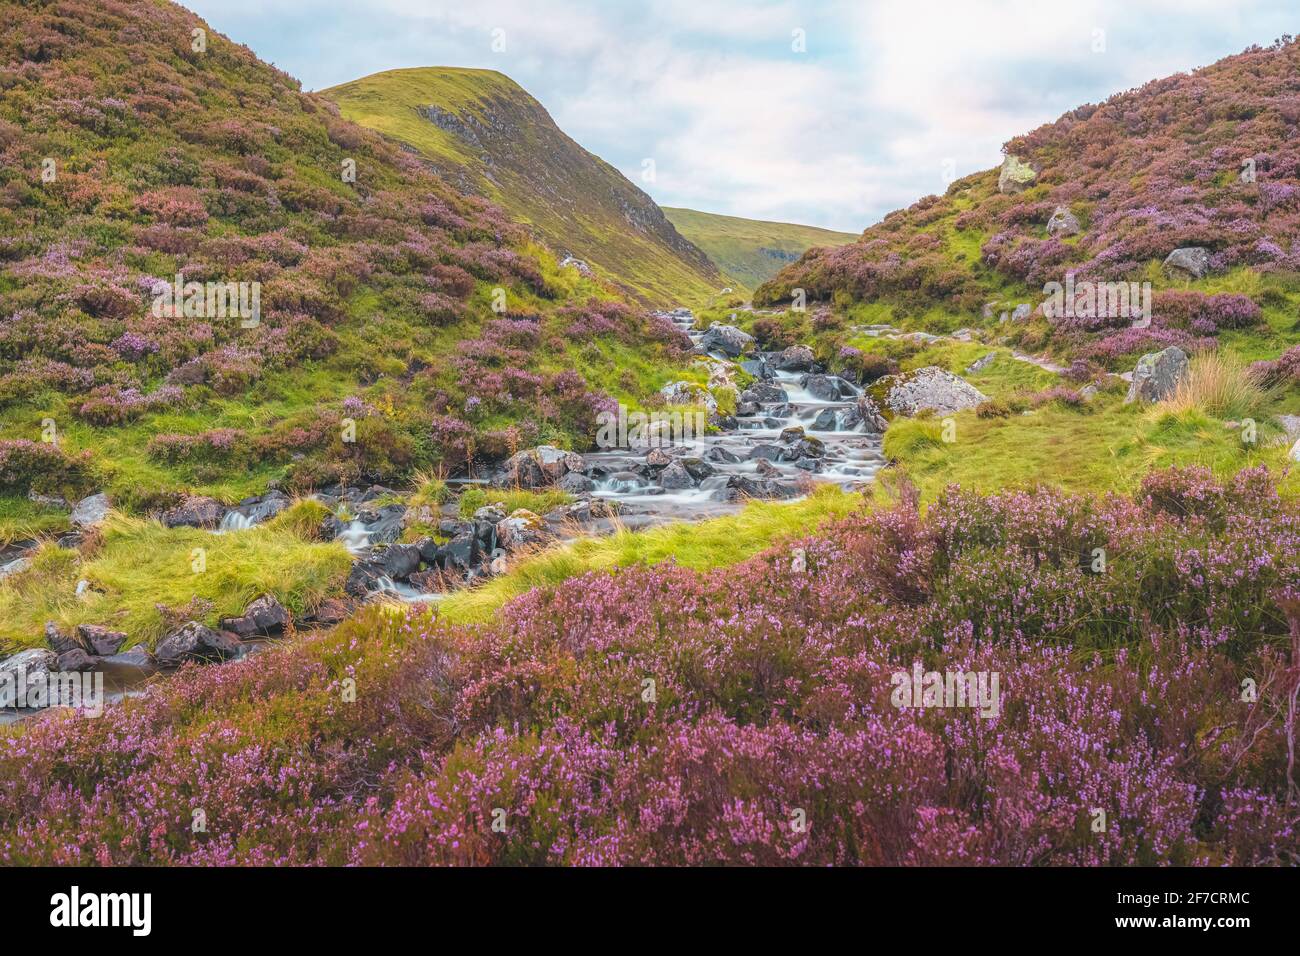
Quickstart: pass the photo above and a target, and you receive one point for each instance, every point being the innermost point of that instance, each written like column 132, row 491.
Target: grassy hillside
column 751, row 251
column 483, row 132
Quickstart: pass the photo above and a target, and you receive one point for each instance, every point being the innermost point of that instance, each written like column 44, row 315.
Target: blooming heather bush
column 37, row 466
column 1120, row 690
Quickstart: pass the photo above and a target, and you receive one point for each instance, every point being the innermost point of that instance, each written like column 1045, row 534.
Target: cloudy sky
column 827, row 112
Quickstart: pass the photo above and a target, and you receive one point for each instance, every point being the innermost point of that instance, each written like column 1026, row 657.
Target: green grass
column 22, row 520
column 141, row 564
column 718, row 542
column 1107, row 446
column 518, row 158
column 751, row 251
column 511, row 499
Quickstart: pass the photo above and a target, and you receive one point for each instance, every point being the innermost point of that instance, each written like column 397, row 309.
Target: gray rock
column 99, row 639
column 1190, row 260
column 76, row 660
column 195, row 512
column 33, row 664
column 1063, row 223
column 827, row 388
column 1016, row 175
column 1022, row 312
column 980, row 363
column 91, row 511
column 931, row 388
column 1157, row 375
column 264, row 616
column 195, row 642
column 797, row 358
column 15, row 566
column 675, row 477
column 688, row 393
column 727, row 339
column 576, row 484
column 761, row 393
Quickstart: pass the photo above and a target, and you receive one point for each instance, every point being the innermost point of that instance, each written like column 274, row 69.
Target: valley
column 387, row 566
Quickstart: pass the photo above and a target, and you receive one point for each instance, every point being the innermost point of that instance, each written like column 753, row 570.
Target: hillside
column 1207, row 161
column 401, row 328
column 483, row 132
column 751, row 251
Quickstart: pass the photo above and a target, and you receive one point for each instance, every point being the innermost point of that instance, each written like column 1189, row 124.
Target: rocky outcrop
column 194, row 512
column 195, row 642
column 929, row 389
column 1157, row 375
column 263, row 617
column 727, row 339
column 89, row 512
column 1189, row 261
column 688, row 393
column 1016, row 175
column 24, row 668
column 538, row 467
column 1063, row 223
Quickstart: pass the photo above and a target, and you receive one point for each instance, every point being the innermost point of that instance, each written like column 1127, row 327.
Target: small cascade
column 234, row 520
column 355, row 537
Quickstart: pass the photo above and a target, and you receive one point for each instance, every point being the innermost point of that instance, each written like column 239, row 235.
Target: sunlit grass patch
column 139, row 565
column 718, row 542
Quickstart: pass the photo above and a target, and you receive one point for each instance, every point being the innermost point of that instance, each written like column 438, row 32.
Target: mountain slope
column 751, row 251
column 1209, row 160
column 376, row 296
column 483, row 132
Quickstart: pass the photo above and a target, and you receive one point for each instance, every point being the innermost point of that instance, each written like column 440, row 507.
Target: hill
column 485, row 133
column 1206, row 161
column 140, row 148
column 751, row 251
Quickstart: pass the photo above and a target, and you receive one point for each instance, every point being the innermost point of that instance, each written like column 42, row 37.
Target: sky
column 824, row 112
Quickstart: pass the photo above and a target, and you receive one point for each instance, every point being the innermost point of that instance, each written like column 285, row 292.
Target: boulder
column 523, row 527
column 1016, row 175
column 363, row 578
column 61, row 643
column 658, row 458
column 697, row 468
column 1063, row 223
column 770, row 452
column 195, row 642
column 194, row 512
column 827, row 420
column 385, row 525
column 30, row 666
column 727, row 339
column 688, row 393
column 538, row 467
column 76, row 660
column 576, row 484
column 827, row 388
column 797, row 358
column 931, row 388
column 676, row 478
column 764, row 393
column 399, row 560
column 721, row 455
column 99, row 639
column 89, row 512
column 264, row 616
column 16, row 566
column 981, row 363
column 1189, row 260
column 1157, row 375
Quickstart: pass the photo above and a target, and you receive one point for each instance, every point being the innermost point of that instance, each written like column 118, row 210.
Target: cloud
column 887, row 95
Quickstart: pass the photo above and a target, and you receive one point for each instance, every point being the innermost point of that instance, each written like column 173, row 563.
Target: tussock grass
column 718, row 542
column 510, row 499
column 1220, row 384
column 140, row 564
